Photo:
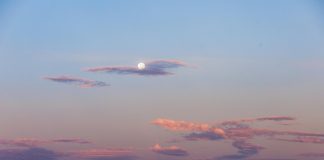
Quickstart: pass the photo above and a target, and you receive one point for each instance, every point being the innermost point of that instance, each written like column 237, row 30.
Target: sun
column 141, row 66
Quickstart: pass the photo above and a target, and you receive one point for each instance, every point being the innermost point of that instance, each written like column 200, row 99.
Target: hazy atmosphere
column 161, row 80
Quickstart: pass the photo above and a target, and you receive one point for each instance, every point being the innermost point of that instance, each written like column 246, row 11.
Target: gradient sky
column 244, row 59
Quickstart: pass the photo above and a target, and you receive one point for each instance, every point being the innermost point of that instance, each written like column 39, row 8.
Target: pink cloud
column 240, row 132
column 187, row 126
column 23, row 142
column 181, row 125
column 102, row 152
column 232, row 129
column 172, row 150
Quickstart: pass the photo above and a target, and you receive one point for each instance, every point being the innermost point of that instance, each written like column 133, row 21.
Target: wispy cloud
column 32, row 142
column 208, row 135
column 29, row 154
column 260, row 119
column 37, row 153
column 73, row 140
column 304, row 139
column 180, row 125
column 152, row 68
column 240, row 132
column 273, row 159
column 276, row 118
column 105, row 154
column 23, row 142
column 171, row 151
column 90, row 153
column 245, row 150
column 188, row 126
column 33, row 149
column 121, row 157
column 83, row 83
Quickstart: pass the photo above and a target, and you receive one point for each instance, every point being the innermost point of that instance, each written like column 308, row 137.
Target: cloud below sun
column 240, row 133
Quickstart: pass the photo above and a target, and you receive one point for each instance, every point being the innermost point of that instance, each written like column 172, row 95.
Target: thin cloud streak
column 153, row 68
column 303, row 139
column 82, row 83
column 23, row 142
column 29, row 154
column 37, row 153
column 260, row 119
column 76, row 141
column 31, row 149
column 102, row 152
column 171, row 151
column 31, row 142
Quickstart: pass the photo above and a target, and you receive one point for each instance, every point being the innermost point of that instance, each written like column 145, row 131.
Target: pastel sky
column 224, row 80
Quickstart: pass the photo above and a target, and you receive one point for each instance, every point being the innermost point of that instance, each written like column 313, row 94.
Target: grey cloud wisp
column 152, row 68
column 82, row 83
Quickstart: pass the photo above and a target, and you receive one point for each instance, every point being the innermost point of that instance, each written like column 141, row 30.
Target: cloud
column 180, row 125
column 260, row 119
column 29, row 154
column 203, row 136
column 115, row 158
column 276, row 118
column 102, row 152
column 171, row 151
column 187, row 126
column 23, row 142
column 82, row 83
column 245, row 150
column 32, row 142
column 153, row 68
column 294, row 136
column 76, row 141
column 105, row 154
column 240, row 132
column 303, row 139
column 273, row 159
column 36, row 153
column 29, row 149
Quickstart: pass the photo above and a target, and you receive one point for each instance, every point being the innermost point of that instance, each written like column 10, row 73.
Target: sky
column 223, row 80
